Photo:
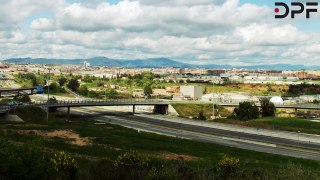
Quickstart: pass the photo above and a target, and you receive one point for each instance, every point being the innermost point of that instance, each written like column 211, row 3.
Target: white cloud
column 15, row 11
column 43, row 24
column 180, row 2
column 271, row 34
column 203, row 31
column 134, row 16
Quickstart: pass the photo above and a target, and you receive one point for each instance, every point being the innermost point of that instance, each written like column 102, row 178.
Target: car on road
column 15, row 103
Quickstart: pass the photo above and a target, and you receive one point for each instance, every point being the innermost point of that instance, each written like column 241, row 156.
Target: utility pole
column 213, row 114
column 48, row 86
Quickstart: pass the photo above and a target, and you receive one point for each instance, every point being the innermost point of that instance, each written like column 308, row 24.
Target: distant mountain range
column 151, row 63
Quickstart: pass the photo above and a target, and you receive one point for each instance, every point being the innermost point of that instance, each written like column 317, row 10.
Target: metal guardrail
column 99, row 102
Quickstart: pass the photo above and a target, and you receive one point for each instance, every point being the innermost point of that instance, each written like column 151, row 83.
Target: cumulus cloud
column 271, row 34
column 203, row 31
column 176, row 20
column 43, row 24
column 180, row 2
column 15, row 11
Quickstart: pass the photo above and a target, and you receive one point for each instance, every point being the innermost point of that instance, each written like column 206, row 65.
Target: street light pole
column 213, row 115
column 48, row 78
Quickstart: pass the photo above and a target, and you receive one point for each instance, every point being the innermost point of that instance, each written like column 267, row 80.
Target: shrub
column 54, row 88
column 267, row 107
column 294, row 172
column 83, row 90
column 147, row 91
column 246, row 111
column 132, row 159
column 184, row 171
column 228, row 166
column 23, row 162
column 24, row 98
column 53, row 100
column 65, row 165
column 201, row 116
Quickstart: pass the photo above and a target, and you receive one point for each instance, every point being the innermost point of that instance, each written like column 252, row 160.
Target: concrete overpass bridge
column 13, row 92
column 160, row 106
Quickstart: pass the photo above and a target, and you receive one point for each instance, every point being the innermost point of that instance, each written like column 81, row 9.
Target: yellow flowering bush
column 65, row 165
column 132, row 159
column 228, row 165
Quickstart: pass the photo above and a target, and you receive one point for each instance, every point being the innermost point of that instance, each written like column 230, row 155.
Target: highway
column 224, row 137
column 232, row 138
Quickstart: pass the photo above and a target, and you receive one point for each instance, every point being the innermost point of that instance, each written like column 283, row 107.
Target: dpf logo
column 297, row 8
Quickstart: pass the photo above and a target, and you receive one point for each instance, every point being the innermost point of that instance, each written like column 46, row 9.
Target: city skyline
column 203, row 32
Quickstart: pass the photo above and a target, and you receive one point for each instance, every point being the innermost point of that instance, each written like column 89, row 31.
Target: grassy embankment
column 96, row 146
column 288, row 124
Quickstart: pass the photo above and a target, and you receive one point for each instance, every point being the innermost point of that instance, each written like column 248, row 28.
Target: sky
column 235, row 32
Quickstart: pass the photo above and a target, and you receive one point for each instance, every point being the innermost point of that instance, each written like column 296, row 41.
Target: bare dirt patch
column 172, row 156
column 64, row 134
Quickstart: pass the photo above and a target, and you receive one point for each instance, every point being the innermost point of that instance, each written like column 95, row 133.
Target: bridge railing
column 94, row 101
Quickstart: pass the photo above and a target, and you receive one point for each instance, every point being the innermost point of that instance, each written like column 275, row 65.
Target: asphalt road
column 230, row 138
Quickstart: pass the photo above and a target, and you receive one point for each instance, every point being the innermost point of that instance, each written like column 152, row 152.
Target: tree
column 83, row 90
column 30, row 77
column 112, row 94
column 147, row 90
column 100, row 83
column 53, row 87
column 73, row 84
column 62, row 81
column 24, row 98
column 267, row 107
column 53, row 100
column 247, row 110
column 201, row 115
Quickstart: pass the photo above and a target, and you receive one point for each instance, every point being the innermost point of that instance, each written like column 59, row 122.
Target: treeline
column 304, row 89
column 30, row 79
column 248, row 110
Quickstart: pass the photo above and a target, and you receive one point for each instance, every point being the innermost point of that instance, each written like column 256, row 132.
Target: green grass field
column 278, row 123
column 192, row 110
column 288, row 124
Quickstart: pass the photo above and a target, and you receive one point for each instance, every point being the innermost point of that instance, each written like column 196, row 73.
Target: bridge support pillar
column 68, row 113
column 133, row 109
column 18, row 93
column 296, row 112
column 0, row 95
column 31, row 91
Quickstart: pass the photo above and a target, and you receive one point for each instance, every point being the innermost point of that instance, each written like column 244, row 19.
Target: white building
column 230, row 98
column 86, row 64
column 193, row 92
